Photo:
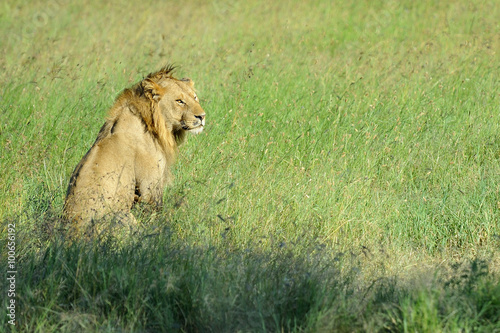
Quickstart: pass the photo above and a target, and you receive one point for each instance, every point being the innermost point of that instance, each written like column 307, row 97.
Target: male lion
column 129, row 161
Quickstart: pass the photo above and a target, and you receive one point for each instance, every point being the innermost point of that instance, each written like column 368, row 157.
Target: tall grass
column 348, row 178
column 156, row 284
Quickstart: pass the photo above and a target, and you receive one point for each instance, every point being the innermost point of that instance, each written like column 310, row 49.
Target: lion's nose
column 200, row 116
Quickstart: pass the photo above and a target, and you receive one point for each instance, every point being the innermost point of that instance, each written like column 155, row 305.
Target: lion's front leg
column 149, row 193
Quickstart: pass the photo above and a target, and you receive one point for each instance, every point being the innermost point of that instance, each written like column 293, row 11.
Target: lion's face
column 180, row 106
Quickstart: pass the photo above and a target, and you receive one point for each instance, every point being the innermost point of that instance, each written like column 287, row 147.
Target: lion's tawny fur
column 129, row 161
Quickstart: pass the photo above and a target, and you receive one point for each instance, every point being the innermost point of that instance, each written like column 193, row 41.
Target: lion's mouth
column 196, row 130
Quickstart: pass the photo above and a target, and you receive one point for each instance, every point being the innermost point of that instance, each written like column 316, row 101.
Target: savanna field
column 348, row 178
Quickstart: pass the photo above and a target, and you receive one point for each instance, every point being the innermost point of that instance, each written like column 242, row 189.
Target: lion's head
column 174, row 104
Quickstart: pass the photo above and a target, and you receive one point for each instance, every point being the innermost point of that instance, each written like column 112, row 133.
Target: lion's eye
column 180, row 102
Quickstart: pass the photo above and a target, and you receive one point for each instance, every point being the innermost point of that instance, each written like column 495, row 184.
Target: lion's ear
column 152, row 90
column 188, row 81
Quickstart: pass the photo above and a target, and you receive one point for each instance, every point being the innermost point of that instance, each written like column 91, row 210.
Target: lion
column 130, row 159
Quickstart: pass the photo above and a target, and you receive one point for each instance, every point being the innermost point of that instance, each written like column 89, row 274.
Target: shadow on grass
column 154, row 283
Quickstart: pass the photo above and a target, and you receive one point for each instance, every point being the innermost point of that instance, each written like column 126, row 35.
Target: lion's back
column 102, row 182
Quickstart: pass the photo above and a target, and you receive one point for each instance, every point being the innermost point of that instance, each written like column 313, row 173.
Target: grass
column 348, row 178
column 102, row 287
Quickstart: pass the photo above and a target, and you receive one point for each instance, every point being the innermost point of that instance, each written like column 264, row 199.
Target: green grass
column 348, row 178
